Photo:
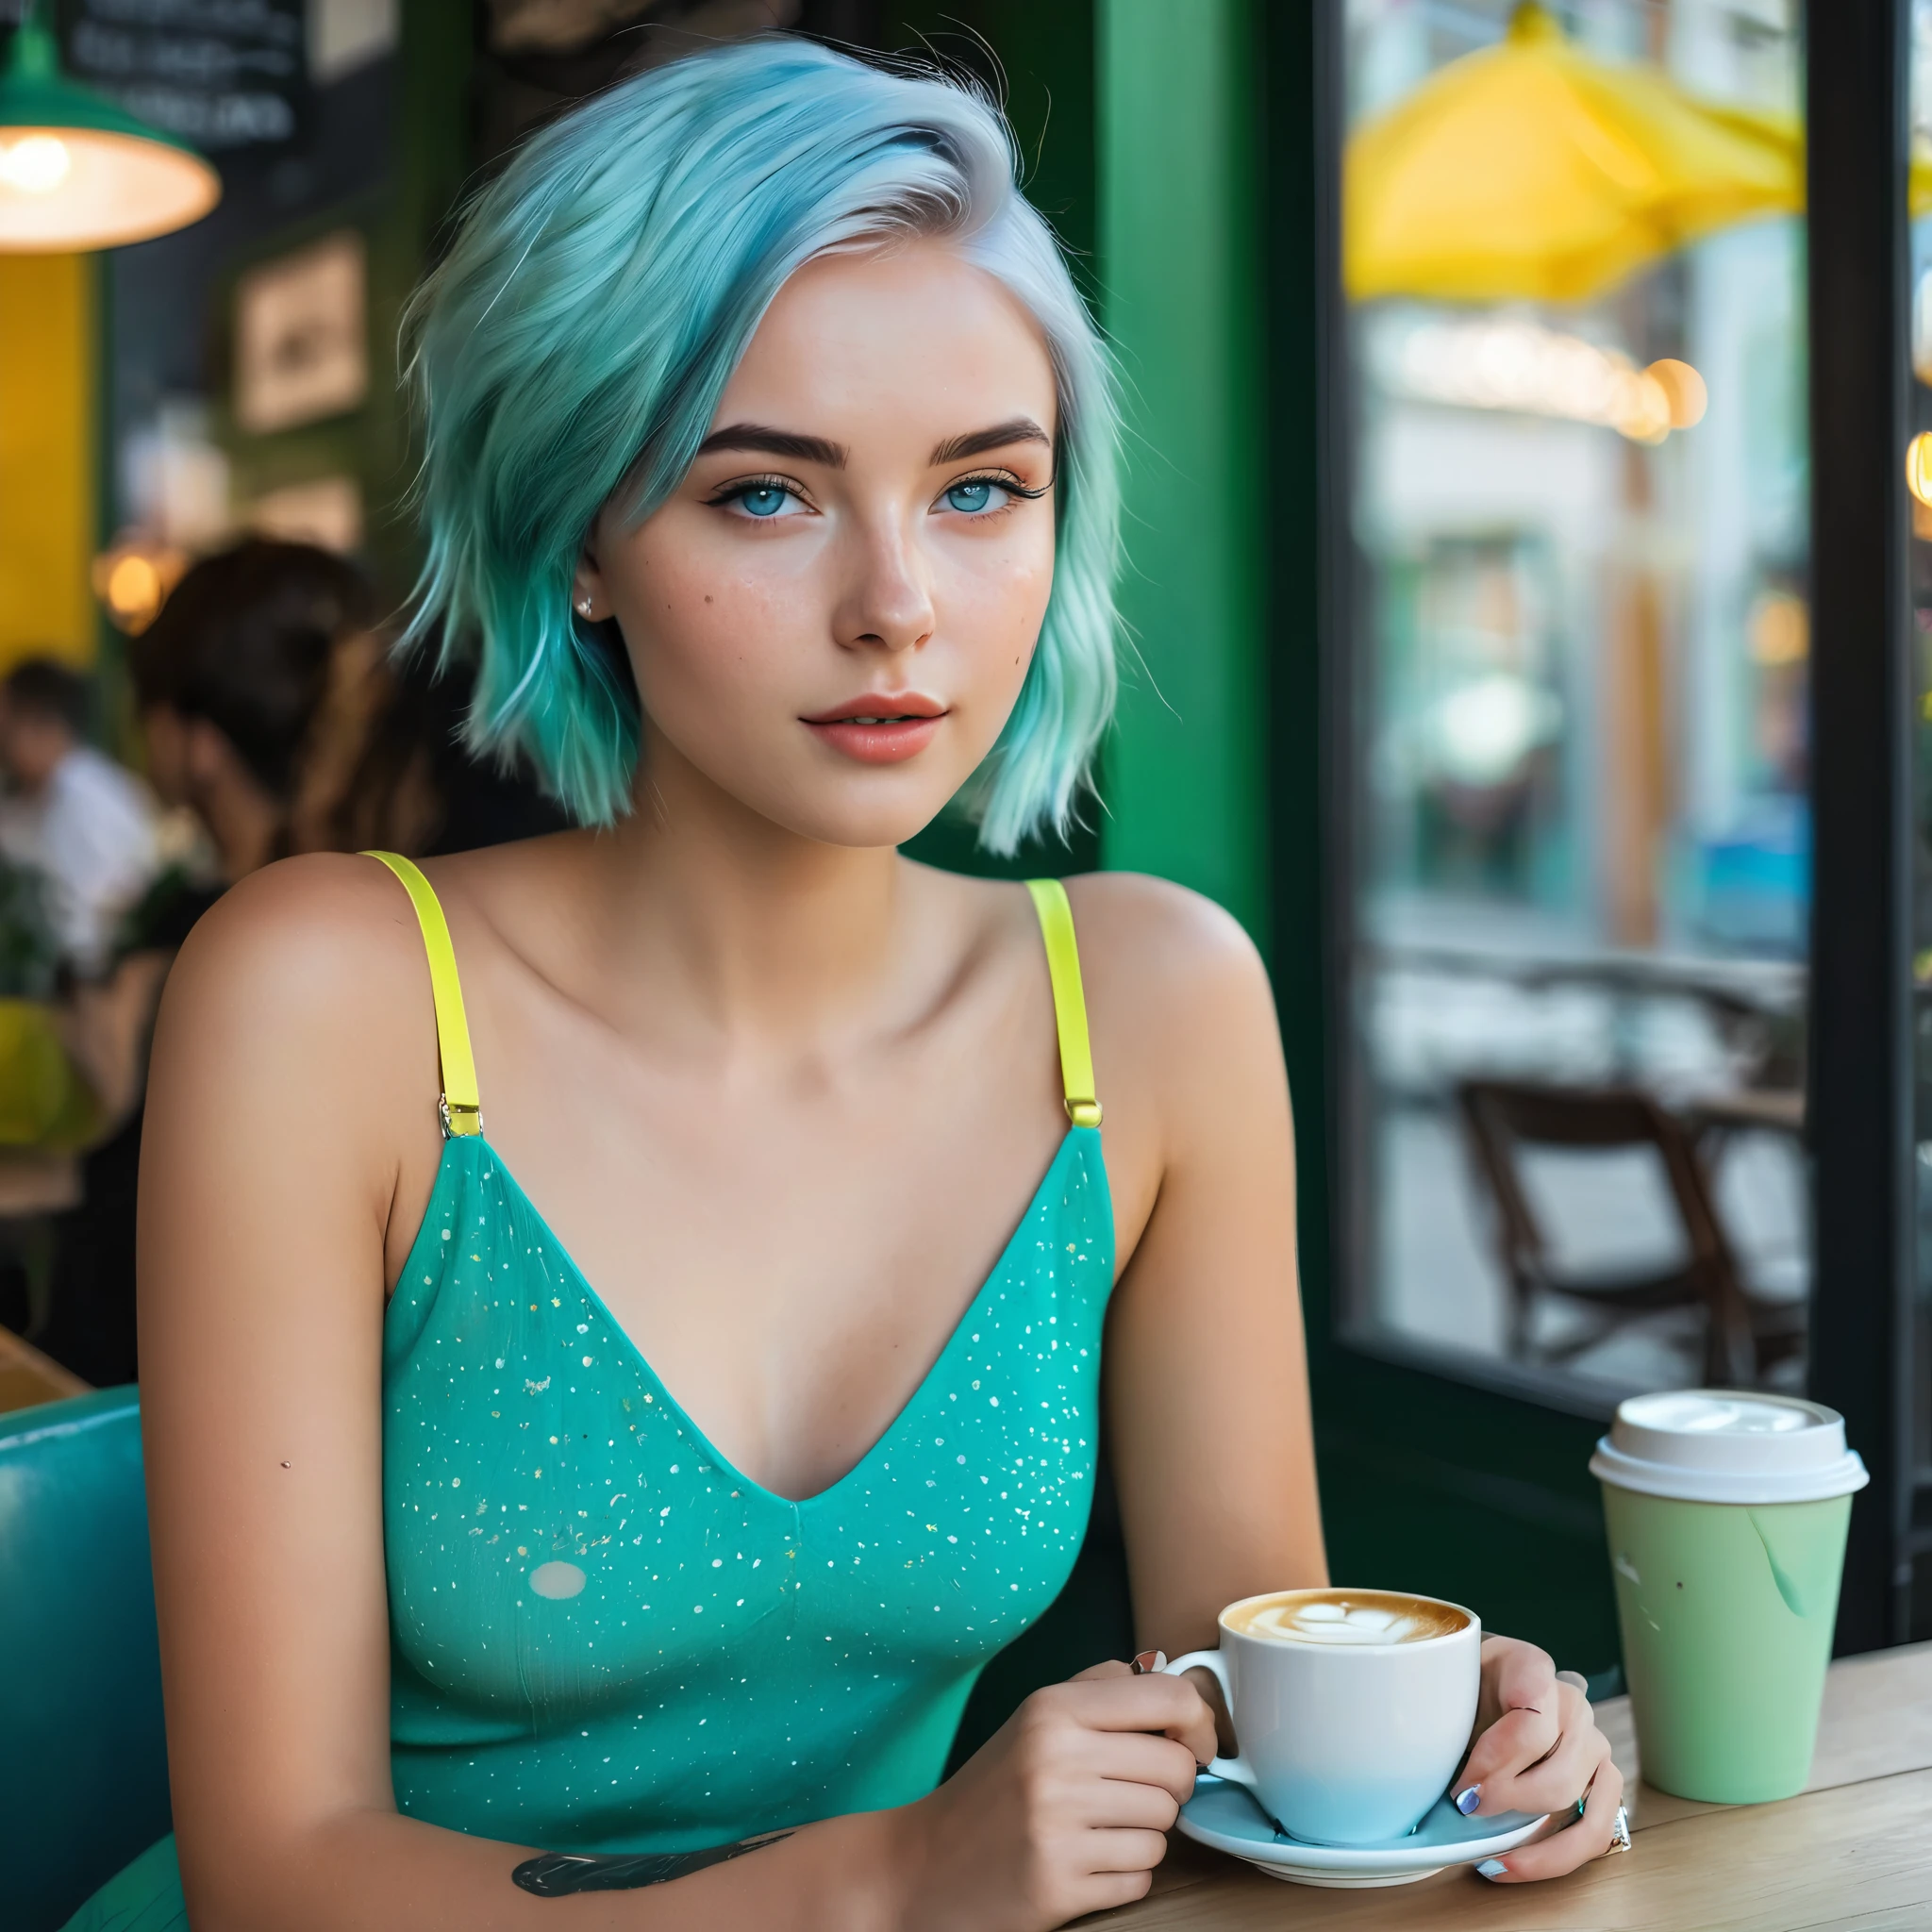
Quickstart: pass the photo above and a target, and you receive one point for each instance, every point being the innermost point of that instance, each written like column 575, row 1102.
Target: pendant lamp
column 79, row 173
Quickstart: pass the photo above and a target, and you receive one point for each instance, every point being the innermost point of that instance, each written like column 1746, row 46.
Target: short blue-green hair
column 575, row 340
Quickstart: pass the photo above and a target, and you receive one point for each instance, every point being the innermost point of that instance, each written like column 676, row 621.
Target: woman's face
column 831, row 617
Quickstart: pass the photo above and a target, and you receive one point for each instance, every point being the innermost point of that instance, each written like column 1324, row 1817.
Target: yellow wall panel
column 46, row 456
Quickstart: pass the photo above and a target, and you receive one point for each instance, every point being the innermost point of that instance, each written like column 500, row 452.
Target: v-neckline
column 1074, row 1138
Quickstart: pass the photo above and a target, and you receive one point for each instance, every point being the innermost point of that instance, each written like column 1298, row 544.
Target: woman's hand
column 1065, row 1809
column 1538, row 1749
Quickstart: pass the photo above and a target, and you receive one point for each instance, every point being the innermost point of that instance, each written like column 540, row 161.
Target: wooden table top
column 28, row 1377
column 1854, row 1854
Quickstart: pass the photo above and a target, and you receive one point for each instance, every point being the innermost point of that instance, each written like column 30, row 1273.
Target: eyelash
column 1000, row 479
column 750, row 486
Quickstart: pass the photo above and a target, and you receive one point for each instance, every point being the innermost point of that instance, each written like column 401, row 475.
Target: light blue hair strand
column 576, row 339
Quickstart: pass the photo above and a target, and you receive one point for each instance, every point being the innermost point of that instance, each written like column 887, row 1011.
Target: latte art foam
column 1348, row 1617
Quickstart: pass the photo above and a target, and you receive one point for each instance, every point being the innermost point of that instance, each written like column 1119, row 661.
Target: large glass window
column 1577, row 648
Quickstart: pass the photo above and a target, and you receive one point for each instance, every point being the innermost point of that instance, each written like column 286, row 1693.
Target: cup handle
column 1236, row 1769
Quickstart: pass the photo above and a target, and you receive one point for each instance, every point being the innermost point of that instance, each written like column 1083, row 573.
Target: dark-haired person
column 75, row 816
column 230, row 680
column 272, row 713
column 272, row 708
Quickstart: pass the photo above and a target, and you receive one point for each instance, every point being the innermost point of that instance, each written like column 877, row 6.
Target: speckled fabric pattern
column 606, row 1637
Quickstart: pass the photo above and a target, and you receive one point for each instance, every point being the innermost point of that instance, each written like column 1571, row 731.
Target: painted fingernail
column 1466, row 1801
column 1492, row 1868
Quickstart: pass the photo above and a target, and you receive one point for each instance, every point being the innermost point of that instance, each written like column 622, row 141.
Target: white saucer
column 1224, row 1816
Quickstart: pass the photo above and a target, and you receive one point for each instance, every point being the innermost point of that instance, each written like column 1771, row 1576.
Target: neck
column 760, row 930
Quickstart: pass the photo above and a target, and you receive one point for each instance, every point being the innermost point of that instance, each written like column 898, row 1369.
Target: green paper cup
column 1726, row 1514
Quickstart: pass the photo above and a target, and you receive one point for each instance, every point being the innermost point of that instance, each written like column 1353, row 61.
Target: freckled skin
column 783, row 1097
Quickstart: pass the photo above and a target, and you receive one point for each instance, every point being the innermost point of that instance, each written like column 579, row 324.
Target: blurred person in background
column 274, row 710
column 271, row 712
column 85, row 824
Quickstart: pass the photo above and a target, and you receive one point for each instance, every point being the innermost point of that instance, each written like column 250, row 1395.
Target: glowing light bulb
column 1919, row 466
column 134, row 587
column 35, row 165
column 1684, row 389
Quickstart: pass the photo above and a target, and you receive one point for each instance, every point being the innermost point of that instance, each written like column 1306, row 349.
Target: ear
column 588, row 596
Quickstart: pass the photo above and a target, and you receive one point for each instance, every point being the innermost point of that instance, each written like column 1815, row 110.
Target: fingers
column 1520, row 1675
column 1211, row 1731
column 1117, row 1700
column 1104, row 1891
column 1108, row 1804
column 1516, row 1741
column 1564, row 1851
column 1152, row 1761
column 1123, row 1851
column 1111, row 1667
column 1561, row 1779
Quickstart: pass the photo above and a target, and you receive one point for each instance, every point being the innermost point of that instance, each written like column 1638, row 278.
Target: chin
column 862, row 817
column 861, row 830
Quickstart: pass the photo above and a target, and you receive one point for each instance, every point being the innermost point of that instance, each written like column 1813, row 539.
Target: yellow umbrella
column 1532, row 171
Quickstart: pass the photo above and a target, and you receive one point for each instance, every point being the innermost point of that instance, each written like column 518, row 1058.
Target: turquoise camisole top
column 607, row 1637
column 604, row 1636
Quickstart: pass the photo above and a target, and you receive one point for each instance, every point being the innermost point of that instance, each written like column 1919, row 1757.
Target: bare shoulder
column 1146, row 943
column 327, row 925
column 1186, row 1047
column 311, row 969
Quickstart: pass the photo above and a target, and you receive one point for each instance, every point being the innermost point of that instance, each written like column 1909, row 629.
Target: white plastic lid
column 1728, row 1445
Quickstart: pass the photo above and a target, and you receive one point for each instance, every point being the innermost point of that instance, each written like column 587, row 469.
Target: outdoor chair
column 84, row 1771
column 1742, row 1335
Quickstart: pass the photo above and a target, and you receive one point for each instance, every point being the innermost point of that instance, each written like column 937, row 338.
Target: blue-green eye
column 971, row 496
column 763, row 500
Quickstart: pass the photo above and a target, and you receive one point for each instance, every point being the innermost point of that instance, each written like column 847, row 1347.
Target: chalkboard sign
column 223, row 75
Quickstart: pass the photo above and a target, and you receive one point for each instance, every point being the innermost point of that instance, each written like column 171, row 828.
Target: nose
column 887, row 603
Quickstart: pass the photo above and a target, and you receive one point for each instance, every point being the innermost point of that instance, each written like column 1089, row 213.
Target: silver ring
column 1620, row 1832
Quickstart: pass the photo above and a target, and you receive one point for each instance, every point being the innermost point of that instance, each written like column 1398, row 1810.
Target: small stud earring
column 583, row 606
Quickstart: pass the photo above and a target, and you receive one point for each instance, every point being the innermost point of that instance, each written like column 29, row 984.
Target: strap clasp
column 459, row 1120
column 1084, row 1113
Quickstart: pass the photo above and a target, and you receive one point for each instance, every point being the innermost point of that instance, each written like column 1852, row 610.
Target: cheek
column 992, row 601
column 704, row 627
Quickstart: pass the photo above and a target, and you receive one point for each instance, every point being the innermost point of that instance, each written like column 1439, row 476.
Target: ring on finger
column 1620, row 1832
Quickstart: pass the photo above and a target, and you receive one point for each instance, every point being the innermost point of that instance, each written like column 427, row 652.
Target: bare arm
column 289, row 1149
column 1206, row 1377
column 290, row 1108
column 1206, row 1374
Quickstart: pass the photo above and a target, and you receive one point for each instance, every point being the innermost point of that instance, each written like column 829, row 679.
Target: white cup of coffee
column 1353, row 1708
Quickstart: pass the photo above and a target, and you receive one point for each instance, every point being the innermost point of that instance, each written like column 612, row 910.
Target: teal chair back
column 83, row 1758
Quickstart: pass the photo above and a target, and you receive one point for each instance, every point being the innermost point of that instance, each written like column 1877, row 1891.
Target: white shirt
column 90, row 833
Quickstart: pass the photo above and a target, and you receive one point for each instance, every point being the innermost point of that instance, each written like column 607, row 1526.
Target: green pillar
column 1180, row 293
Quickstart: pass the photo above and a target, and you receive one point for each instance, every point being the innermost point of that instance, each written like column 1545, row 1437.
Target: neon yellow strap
column 460, row 1105
column 1068, row 999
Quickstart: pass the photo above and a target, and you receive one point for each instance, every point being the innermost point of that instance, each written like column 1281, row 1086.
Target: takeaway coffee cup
column 1353, row 1708
column 1726, row 1514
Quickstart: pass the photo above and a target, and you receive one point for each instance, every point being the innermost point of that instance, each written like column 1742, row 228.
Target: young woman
column 623, row 1502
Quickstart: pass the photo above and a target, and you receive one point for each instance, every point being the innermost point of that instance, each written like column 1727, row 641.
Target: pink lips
column 877, row 729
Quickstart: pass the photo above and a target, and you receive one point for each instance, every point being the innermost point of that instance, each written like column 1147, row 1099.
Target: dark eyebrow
column 1020, row 429
column 774, row 443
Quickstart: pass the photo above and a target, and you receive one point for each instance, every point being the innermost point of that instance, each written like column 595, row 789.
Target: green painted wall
column 1179, row 295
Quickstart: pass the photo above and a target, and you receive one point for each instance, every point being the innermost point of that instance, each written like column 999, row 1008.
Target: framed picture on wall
column 327, row 510
column 302, row 335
